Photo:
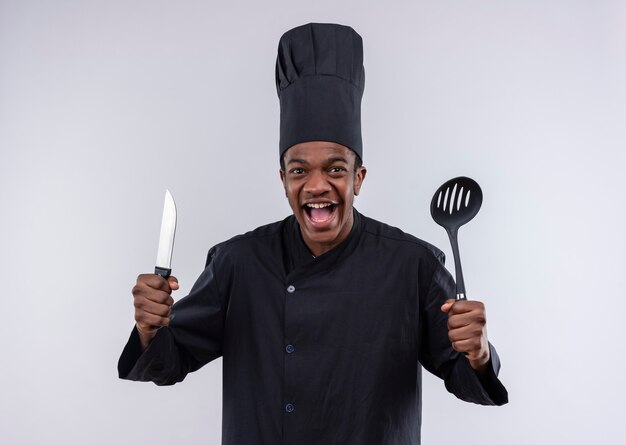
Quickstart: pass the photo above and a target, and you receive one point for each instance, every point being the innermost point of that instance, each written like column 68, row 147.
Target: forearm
column 159, row 362
column 478, row 386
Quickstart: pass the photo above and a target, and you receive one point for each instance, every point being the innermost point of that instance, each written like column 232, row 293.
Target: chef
column 323, row 319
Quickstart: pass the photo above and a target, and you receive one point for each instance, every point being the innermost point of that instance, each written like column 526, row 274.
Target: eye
column 296, row 171
column 336, row 170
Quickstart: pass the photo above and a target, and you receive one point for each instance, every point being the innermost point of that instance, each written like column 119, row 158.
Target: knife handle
column 165, row 273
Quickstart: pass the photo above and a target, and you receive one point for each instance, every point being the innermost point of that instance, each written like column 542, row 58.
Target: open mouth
column 320, row 212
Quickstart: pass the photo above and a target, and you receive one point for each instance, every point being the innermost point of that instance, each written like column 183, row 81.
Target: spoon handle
column 460, row 284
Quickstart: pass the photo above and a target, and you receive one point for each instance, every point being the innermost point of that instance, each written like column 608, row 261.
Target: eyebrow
column 338, row 159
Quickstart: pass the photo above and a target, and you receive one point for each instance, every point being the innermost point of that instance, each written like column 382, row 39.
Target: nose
column 316, row 184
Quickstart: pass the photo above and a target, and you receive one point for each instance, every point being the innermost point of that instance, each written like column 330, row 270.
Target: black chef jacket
column 322, row 350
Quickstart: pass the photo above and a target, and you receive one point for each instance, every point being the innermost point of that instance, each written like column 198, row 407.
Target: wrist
column 479, row 366
column 145, row 335
column 481, row 363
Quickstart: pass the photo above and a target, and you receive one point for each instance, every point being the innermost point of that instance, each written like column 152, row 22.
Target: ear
column 283, row 179
column 359, row 177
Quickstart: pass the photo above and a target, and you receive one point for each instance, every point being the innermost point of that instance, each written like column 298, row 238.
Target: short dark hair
column 358, row 162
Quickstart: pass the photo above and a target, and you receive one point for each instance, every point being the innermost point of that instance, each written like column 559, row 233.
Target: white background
column 104, row 105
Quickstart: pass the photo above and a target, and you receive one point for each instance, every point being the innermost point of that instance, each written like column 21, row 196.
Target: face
column 320, row 182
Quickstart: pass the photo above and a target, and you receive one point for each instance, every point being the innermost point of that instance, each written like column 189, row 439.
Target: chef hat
column 320, row 80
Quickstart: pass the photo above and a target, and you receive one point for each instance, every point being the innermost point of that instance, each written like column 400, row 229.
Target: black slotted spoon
column 455, row 203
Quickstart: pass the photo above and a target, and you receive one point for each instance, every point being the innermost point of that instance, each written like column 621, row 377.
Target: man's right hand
column 153, row 303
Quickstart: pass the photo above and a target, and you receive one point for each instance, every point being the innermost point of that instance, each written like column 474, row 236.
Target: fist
column 153, row 302
column 467, row 330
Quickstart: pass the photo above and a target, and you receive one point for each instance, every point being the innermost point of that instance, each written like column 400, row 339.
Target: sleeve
column 438, row 357
column 193, row 338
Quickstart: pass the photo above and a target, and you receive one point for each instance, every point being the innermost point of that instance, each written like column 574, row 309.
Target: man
column 324, row 318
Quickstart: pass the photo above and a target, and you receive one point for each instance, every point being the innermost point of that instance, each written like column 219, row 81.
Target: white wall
column 105, row 104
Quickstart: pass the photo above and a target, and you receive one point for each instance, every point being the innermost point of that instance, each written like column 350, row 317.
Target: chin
column 325, row 238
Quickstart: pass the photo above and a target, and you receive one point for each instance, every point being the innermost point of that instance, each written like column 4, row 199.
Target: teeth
column 320, row 205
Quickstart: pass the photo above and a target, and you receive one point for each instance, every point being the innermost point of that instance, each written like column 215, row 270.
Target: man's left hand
column 467, row 330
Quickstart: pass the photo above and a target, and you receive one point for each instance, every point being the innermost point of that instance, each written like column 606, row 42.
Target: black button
column 289, row 349
column 289, row 408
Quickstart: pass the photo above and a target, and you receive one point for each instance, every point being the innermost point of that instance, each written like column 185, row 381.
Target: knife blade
column 166, row 238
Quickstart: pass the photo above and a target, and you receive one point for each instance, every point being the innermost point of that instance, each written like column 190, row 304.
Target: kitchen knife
column 166, row 239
